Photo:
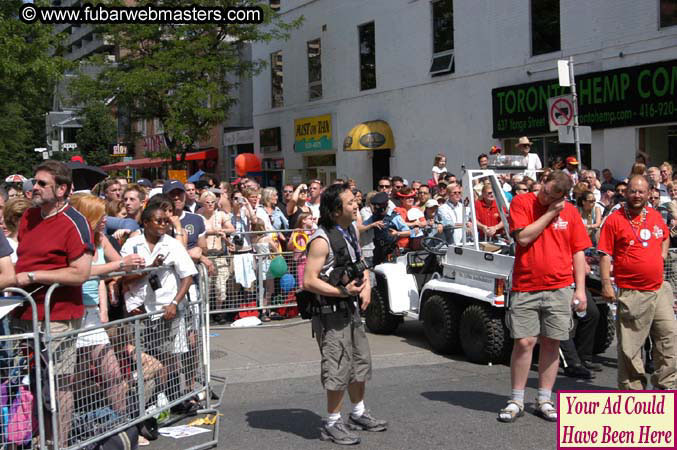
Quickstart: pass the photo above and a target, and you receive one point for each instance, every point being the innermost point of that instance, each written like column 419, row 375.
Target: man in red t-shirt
column 549, row 259
column 55, row 246
column 489, row 221
column 637, row 239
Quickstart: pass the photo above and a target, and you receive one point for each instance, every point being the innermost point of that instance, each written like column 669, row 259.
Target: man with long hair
column 346, row 358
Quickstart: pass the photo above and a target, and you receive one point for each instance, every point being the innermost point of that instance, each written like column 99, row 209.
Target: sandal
column 509, row 415
column 546, row 410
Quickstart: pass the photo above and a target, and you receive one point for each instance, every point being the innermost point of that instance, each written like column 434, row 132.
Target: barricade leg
column 21, row 413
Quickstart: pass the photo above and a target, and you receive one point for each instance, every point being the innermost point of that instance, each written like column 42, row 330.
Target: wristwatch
column 174, row 302
column 344, row 291
column 121, row 264
column 31, row 277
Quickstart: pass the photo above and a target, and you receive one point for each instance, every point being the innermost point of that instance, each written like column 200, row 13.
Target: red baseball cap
column 572, row 160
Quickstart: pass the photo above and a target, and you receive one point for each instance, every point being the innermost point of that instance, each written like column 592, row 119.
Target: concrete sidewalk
column 286, row 349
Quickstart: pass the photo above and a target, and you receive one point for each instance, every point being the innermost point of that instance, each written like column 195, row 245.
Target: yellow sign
column 371, row 135
column 181, row 175
column 312, row 134
column 616, row 419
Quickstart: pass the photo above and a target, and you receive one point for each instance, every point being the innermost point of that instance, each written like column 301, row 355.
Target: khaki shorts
column 542, row 313
column 62, row 349
column 161, row 337
column 346, row 357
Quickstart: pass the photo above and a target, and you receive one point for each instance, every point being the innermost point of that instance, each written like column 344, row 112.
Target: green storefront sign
column 638, row 95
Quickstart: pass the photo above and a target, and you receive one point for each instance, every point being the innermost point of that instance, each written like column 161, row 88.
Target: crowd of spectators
column 52, row 235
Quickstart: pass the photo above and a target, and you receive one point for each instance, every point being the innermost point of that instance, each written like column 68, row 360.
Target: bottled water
column 580, row 314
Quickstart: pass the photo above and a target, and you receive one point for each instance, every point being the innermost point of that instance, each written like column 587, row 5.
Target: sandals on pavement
column 546, row 410
column 508, row 414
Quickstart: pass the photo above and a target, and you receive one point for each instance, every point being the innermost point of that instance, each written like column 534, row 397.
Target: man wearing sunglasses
column 55, row 246
column 549, row 260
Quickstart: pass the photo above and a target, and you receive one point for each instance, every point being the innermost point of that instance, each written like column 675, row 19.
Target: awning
column 371, row 135
column 143, row 163
column 210, row 153
column 140, row 163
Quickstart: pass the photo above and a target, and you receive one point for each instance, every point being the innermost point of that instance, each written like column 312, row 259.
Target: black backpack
column 306, row 300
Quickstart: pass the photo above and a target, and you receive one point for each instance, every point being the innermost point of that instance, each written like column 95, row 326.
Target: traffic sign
column 69, row 146
column 566, row 135
column 560, row 111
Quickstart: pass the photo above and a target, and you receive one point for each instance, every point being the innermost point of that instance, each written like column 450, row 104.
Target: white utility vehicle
column 460, row 291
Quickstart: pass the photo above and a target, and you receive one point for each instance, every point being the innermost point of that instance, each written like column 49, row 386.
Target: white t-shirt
column 314, row 209
column 14, row 244
column 262, row 214
column 533, row 164
column 437, row 170
column 140, row 291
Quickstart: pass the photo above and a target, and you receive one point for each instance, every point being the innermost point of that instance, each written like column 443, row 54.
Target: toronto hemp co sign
column 638, row 95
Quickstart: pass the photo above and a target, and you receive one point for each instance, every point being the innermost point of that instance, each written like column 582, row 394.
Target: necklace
column 636, row 224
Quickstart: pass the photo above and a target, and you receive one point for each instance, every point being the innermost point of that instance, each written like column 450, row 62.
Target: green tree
column 184, row 75
column 97, row 134
column 28, row 75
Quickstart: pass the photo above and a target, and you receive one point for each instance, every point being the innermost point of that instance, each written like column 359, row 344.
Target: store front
column 376, row 137
column 641, row 98
column 313, row 138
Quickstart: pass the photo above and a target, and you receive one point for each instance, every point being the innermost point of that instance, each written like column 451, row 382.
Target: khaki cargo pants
column 640, row 314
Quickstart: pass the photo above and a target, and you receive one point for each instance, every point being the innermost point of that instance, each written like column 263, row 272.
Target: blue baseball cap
column 145, row 182
column 171, row 185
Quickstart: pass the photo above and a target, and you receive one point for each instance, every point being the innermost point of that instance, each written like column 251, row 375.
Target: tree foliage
column 184, row 75
column 98, row 132
column 27, row 78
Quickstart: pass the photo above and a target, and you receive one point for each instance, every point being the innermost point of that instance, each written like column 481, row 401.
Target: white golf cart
column 459, row 291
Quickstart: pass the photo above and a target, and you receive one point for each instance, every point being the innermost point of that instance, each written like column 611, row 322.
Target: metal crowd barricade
column 245, row 285
column 22, row 421
column 670, row 270
column 106, row 378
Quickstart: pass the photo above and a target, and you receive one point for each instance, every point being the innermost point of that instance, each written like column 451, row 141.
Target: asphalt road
column 431, row 401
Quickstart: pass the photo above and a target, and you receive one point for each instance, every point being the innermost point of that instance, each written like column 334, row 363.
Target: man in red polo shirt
column 550, row 238
column 489, row 221
column 55, row 246
column 637, row 239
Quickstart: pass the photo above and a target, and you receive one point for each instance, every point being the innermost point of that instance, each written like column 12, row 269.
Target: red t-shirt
column 402, row 242
column 48, row 244
column 635, row 266
column 547, row 263
column 487, row 215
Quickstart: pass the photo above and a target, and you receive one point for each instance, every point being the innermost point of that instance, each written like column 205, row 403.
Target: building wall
column 450, row 113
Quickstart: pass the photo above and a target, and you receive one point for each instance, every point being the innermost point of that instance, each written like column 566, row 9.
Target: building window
column 275, row 5
column 443, row 37
column 367, row 56
column 545, row 31
column 276, row 84
column 141, row 127
column 314, row 69
column 668, row 13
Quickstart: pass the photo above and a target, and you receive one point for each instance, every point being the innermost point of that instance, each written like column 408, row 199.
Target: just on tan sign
column 313, row 134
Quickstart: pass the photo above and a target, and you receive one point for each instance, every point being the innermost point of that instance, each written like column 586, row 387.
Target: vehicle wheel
column 484, row 336
column 378, row 318
column 440, row 324
column 606, row 329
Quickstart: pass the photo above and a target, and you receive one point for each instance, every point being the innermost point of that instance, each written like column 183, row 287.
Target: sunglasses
column 288, row 192
column 383, row 186
column 41, row 183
